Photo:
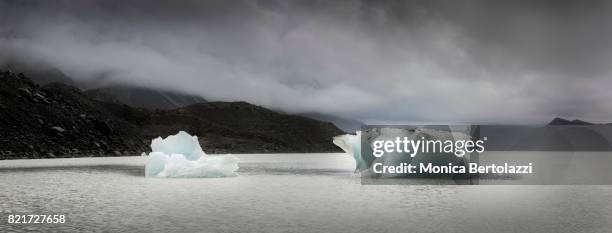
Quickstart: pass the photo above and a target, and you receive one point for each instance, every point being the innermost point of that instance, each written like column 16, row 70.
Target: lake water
column 282, row 193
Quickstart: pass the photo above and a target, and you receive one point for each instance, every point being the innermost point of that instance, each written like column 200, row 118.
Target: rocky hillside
column 240, row 127
column 58, row 120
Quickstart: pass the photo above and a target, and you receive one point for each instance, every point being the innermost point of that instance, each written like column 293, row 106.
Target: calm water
column 282, row 193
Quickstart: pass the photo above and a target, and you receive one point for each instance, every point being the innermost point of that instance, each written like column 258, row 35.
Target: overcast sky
column 379, row 61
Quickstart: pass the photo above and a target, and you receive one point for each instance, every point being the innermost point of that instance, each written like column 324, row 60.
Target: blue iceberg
column 180, row 155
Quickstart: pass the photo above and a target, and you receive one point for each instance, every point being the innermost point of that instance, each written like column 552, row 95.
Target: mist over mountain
column 101, row 90
column 347, row 125
column 141, row 97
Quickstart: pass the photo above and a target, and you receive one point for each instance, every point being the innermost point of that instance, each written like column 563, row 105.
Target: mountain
column 39, row 74
column 347, row 125
column 59, row 120
column 240, row 127
column 143, row 97
column 561, row 121
column 559, row 135
column 133, row 96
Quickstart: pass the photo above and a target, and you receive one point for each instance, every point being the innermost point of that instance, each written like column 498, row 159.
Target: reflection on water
column 283, row 193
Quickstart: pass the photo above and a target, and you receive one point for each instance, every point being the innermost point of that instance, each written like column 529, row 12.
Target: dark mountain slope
column 57, row 120
column 561, row 121
column 39, row 74
column 240, row 127
column 143, row 97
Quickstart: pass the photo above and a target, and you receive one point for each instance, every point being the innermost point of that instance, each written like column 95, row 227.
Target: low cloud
column 473, row 61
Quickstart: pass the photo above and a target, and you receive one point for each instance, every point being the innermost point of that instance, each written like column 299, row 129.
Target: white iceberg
column 351, row 144
column 180, row 155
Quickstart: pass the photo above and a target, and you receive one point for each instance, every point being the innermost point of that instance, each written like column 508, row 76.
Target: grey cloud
column 395, row 61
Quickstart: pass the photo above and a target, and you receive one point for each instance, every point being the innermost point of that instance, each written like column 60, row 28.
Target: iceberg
column 180, row 155
column 351, row 144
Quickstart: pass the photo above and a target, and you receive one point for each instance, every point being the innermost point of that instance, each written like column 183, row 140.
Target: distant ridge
column 561, row 121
